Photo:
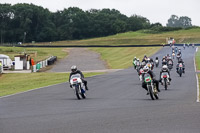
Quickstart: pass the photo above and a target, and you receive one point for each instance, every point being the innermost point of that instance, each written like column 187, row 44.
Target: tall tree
column 183, row 21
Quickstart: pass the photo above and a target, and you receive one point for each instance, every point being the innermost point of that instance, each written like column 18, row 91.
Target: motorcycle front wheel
column 165, row 84
column 151, row 93
column 77, row 92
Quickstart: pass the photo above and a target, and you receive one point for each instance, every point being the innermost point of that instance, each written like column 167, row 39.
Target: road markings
column 197, row 78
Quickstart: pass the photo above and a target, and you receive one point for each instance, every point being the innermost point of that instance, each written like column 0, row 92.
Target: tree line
column 28, row 22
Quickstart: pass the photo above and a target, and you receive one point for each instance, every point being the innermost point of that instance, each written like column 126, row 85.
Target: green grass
column 197, row 58
column 137, row 38
column 15, row 83
column 119, row 58
column 199, row 84
column 41, row 53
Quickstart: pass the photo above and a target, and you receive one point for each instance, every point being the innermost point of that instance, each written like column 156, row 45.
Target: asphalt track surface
column 116, row 103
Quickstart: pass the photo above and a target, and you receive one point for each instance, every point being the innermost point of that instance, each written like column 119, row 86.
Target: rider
column 145, row 58
column 165, row 69
column 170, row 60
column 180, row 61
column 184, row 45
column 164, row 61
column 75, row 71
column 134, row 62
column 153, row 76
column 176, row 49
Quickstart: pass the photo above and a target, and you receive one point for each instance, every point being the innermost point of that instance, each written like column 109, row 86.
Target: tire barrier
column 44, row 63
column 52, row 60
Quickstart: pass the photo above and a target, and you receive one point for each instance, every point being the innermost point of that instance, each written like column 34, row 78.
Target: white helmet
column 146, row 69
column 74, row 68
column 164, row 68
column 138, row 59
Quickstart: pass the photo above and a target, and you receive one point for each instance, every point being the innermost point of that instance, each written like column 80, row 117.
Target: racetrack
column 116, row 103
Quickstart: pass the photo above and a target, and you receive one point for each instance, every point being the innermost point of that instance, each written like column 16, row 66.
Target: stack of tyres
column 52, row 60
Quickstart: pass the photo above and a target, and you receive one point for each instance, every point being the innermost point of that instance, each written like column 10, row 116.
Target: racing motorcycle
column 170, row 64
column 151, row 86
column 180, row 69
column 137, row 66
column 150, row 65
column 140, row 74
column 157, row 62
column 78, row 86
column 178, row 56
column 173, row 55
column 165, row 79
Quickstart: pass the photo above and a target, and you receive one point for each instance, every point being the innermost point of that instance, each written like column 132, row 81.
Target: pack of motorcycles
column 164, row 77
column 80, row 90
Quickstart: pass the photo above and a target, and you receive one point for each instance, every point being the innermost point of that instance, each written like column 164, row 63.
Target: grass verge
column 119, row 58
column 199, row 84
column 197, row 59
column 41, row 53
column 15, row 83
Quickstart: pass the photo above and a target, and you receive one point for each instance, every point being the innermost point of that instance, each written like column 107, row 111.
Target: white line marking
column 197, row 78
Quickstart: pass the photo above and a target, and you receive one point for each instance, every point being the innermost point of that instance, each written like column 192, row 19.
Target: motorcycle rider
column 184, row 45
column 165, row 69
column 134, row 62
column 170, row 61
column 153, row 76
column 177, row 66
column 176, row 49
column 145, row 58
column 75, row 71
column 156, row 60
column 164, row 61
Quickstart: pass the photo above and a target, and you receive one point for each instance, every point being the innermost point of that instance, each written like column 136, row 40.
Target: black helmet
column 74, row 68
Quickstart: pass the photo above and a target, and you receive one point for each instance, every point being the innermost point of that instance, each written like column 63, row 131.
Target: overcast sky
column 154, row 10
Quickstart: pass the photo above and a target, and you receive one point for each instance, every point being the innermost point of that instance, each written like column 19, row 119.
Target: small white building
column 6, row 61
column 22, row 62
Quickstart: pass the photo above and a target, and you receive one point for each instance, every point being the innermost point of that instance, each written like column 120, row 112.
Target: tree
column 175, row 21
column 6, row 15
column 185, row 22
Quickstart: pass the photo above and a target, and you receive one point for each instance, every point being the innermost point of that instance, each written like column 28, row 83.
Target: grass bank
column 197, row 59
column 137, row 38
column 15, row 83
column 120, row 58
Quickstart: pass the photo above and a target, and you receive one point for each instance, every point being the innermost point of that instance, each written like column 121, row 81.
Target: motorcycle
column 193, row 45
column 157, row 62
column 178, row 56
column 151, row 87
column 78, row 86
column 180, row 69
column 170, row 64
column 165, row 79
column 140, row 74
column 149, row 65
column 137, row 66
column 173, row 55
